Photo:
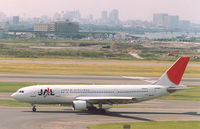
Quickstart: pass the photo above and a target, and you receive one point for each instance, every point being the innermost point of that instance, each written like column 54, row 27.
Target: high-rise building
column 2, row 16
column 56, row 16
column 158, row 19
column 104, row 15
column 72, row 15
column 165, row 20
column 171, row 22
column 15, row 19
column 114, row 16
column 184, row 24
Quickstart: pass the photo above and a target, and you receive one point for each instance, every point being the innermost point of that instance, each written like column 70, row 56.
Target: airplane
column 85, row 97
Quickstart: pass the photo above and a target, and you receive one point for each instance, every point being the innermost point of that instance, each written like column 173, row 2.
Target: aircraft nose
column 14, row 95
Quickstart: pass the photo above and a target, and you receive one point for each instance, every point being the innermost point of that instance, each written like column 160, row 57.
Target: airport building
column 58, row 27
column 66, row 27
column 44, row 27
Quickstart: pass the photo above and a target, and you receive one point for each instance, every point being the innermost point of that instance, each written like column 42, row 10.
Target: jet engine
column 79, row 105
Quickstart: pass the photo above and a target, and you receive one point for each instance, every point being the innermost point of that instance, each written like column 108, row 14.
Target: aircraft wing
column 108, row 100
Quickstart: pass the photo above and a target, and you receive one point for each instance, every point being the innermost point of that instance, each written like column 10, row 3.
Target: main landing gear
column 99, row 110
column 34, row 108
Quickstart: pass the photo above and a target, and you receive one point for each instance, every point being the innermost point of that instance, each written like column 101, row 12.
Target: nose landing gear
column 34, row 108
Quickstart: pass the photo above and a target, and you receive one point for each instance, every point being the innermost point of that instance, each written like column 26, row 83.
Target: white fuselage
column 66, row 94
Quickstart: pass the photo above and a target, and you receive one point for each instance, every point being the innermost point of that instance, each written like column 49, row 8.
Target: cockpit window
column 21, row 91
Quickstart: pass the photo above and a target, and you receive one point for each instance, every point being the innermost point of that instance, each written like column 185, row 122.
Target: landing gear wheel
column 34, row 109
column 92, row 109
column 101, row 111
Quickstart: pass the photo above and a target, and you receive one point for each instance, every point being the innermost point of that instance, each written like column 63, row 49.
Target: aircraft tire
column 34, row 109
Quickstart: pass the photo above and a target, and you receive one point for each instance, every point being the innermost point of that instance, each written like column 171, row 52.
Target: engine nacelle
column 79, row 105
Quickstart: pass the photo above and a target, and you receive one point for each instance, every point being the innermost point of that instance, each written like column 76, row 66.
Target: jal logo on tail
column 46, row 92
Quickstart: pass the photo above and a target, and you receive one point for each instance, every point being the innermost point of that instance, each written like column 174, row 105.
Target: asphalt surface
column 87, row 79
column 65, row 118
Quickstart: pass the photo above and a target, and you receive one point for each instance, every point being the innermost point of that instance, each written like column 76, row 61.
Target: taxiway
column 65, row 118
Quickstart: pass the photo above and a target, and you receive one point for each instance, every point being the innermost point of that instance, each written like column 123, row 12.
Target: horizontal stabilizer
column 177, row 88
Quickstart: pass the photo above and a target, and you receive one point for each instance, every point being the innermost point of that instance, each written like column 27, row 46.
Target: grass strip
column 151, row 125
column 13, row 103
column 191, row 94
column 91, row 69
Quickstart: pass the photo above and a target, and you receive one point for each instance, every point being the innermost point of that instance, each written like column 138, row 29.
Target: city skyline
column 129, row 9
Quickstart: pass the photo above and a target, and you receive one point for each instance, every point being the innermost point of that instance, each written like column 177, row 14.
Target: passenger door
column 33, row 93
column 151, row 92
column 57, row 92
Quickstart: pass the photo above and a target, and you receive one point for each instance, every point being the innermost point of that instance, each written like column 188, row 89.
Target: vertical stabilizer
column 174, row 75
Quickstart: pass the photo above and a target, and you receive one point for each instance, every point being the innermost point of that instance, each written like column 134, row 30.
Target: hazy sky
column 129, row 9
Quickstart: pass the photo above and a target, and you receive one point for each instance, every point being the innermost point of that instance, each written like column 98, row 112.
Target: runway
column 65, row 118
column 86, row 79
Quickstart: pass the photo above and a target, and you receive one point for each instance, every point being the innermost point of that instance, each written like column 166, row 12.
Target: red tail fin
column 175, row 73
